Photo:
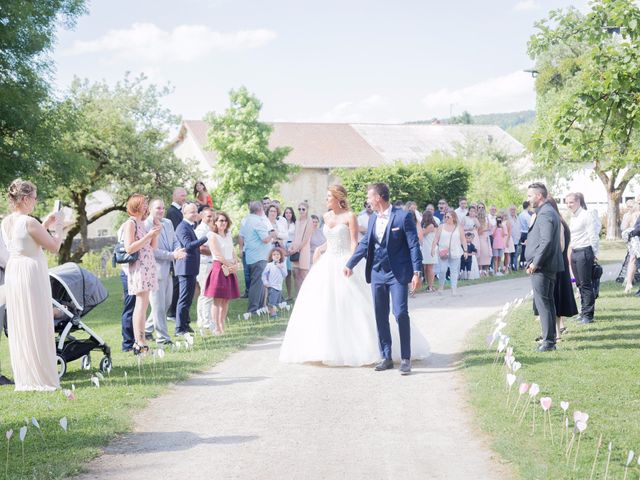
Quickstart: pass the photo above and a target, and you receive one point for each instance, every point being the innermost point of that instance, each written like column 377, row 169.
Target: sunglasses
column 302, row 209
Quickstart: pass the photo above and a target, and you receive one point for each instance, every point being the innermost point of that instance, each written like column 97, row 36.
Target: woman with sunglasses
column 483, row 244
column 451, row 246
column 302, row 245
column 222, row 284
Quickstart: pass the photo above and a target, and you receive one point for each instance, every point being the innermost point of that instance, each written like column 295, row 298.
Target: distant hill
column 503, row 120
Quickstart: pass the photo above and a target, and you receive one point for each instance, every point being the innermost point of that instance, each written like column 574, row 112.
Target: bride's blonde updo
column 340, row 193
column 18, row 191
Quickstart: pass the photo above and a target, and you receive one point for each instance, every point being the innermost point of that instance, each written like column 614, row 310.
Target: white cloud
column 146, row 42
column 373, row 109
column 526, row 5
column 508, row 93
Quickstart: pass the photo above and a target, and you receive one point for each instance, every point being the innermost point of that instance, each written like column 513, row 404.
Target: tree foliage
column 26, row 37
column 114, row 139
column 246, row 167
column 423, row 182
column 589, row 95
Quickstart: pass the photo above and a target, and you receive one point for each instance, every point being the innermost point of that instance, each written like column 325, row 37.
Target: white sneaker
column 499, row 274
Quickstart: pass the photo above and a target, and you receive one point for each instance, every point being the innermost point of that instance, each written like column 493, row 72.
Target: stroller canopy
column 83, row 288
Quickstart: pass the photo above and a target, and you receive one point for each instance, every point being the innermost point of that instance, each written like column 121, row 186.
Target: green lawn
column 612, row 251
column 596, row 369
column 100, row 413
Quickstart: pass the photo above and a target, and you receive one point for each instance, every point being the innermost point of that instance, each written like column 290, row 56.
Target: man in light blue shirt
column 257, row 244
column 524, row 219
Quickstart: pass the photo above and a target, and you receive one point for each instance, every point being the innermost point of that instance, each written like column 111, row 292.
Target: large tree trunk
column 613, row 214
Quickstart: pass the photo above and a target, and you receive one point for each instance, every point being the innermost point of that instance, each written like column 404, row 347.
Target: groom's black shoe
column 386, row 364
column 405, row 367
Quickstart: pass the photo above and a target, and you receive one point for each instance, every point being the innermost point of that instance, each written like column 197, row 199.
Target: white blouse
column 224, row 244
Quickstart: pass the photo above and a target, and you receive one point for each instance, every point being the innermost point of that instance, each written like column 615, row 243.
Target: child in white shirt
column 272, row 277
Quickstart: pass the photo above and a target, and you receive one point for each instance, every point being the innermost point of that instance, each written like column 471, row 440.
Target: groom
column 393, row 261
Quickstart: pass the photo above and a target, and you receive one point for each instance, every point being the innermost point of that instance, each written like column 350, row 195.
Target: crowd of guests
column 186, row 251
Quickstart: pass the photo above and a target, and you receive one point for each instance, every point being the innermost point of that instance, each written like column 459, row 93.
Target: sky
column 355, row 61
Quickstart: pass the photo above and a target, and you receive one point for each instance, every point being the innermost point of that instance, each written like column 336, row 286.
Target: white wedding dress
column 333, row 319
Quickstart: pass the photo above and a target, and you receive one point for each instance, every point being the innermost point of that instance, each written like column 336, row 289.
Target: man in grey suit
column 168, row 250
column 543, row 256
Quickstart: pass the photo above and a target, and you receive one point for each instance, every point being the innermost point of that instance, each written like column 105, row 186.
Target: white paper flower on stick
column 63, row 423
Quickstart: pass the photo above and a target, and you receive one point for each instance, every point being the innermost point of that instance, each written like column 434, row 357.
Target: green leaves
column 247, row 168
column 588, row 90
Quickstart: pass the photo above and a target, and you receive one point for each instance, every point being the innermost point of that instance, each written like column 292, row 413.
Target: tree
column 246, row 167
column 588, row 104
column 464, row 119
column 114, row 139
column 26, row 37
column 423, row 182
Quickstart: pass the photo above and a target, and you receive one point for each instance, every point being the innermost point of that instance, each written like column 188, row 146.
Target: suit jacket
column 543, row 241
column 401, row 242
column 175, row 215
column 186, row 234
column 167, row 243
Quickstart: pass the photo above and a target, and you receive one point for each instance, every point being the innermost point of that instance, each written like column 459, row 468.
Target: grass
column 98, row 414
column 596, row 368
column 612, row 251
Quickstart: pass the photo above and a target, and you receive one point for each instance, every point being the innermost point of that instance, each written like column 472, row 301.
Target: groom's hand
column 347, row 272
column 416, row 282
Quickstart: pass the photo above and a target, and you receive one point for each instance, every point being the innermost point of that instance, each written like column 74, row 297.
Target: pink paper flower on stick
column 545, row 402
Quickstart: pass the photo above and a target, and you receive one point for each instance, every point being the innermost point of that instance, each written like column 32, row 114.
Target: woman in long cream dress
column 302, row 245
column 28, row 290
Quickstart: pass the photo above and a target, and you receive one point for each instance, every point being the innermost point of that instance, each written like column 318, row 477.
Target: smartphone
column 57, row 205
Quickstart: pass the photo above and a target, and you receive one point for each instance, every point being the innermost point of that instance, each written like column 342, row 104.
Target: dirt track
column 252, row 417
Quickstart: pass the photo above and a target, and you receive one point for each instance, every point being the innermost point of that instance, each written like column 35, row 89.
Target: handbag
column 444, row 252
column 295, row 257
column 120, row 255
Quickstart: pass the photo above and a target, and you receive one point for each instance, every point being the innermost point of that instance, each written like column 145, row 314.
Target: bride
column 333, row 319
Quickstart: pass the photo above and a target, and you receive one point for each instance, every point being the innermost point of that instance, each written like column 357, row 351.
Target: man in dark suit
column 544, row 259
column 187, row 268
column 392, row 250
column 174, row 213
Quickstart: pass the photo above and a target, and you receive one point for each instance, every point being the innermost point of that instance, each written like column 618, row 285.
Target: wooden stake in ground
column 545, row 403
column 630, row 456
column 8, row 434
column 511, row 378
column 595, row 459
column 581, row 426
column 524, row 388
column 606, row 470
column 564, row 406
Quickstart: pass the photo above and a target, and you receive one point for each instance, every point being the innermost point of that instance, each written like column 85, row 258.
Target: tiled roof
column 331, row 145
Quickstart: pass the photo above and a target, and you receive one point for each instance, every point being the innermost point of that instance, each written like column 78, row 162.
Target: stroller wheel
column 105, row 364
column 62, row 366
column 85, row 362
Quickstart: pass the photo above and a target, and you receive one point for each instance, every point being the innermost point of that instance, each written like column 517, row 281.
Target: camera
column 57, row 205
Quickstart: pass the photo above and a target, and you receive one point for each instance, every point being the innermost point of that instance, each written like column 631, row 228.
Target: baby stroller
column 75, row 292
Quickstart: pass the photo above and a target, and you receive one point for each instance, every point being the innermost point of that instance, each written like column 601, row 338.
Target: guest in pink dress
column 142, row 273
column 500, row 234
column 222, row 283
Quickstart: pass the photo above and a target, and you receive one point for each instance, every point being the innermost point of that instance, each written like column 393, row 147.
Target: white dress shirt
column 583, row 233
column 381, row 223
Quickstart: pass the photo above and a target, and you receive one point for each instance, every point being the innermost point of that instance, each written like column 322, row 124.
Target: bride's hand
column 347, row 272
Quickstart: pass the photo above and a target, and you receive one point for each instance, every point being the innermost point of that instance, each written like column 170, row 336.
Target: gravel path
column 252, row 417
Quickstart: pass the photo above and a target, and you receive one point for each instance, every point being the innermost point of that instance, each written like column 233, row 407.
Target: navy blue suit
column 175, row 215
column 186, row 271
column 390, row 266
